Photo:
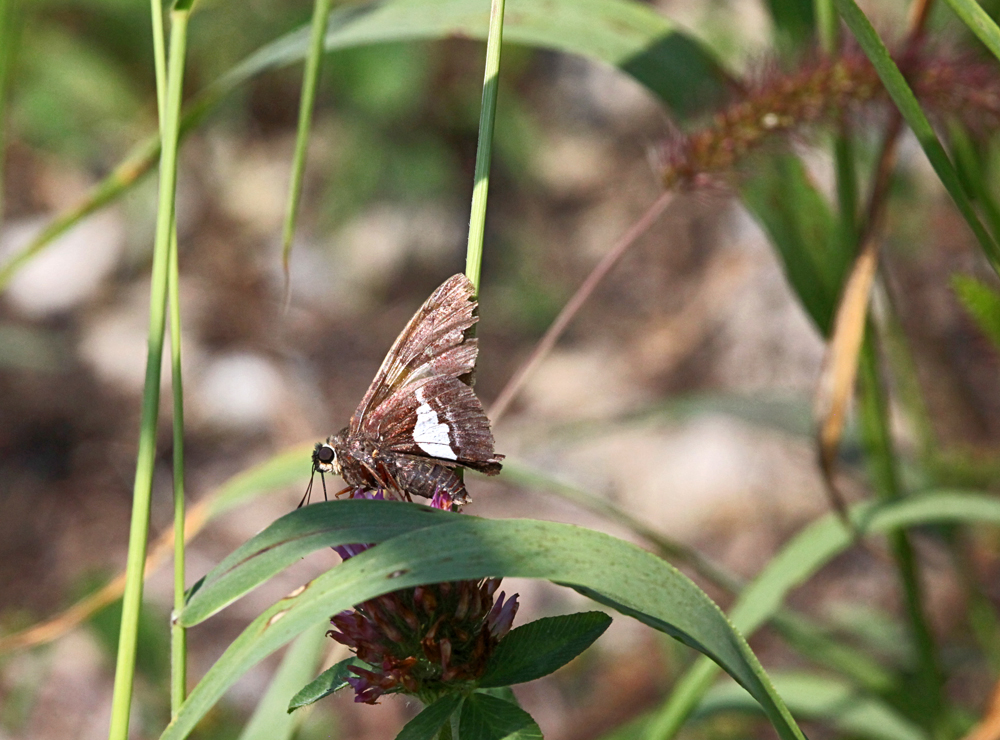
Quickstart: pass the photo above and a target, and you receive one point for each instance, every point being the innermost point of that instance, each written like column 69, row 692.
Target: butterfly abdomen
column 422, row 477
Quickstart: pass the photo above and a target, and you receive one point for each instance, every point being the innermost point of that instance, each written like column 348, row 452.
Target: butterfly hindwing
column 445, row 420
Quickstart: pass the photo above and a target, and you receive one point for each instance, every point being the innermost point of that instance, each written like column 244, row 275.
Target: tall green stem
column 484, row 150
column 321, row 11
column 9, row 33
column 885, row 476
column 178, row 634
column 142, row 491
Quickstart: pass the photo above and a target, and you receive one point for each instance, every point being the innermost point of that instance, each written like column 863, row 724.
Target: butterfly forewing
column 417, row 404
column 421, row 348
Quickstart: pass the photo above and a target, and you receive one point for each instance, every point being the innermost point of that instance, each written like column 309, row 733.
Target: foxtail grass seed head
column 784, row 104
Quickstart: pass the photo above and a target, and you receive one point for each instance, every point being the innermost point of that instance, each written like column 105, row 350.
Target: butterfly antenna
column 323, row 480
column 305, row 496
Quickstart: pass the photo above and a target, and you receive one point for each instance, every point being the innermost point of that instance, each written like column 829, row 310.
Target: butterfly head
column 324, row 458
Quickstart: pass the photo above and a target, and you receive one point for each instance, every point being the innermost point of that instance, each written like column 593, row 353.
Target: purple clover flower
column 424, row 641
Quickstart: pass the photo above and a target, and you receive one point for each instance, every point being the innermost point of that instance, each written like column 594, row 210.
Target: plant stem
column 321, row 11
column 484, row 149
column 142, row 491
column 178, row 634
column 827, row 26
column 573, row 306
column 847, row 183
column 9, row 33
column 882, row 466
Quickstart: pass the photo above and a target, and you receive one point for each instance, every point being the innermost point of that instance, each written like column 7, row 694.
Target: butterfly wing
column 418, row 404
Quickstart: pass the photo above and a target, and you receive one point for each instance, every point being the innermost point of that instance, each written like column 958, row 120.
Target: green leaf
column 270, row 720
column 799, row 560
column 294, row 536
column 330, row 681
column 501, row 692
column 915, row 118
column 485, row 717
column 782, row 197
column 425, row 726
column 612, row 572
column 983, row 304
column 537, row 649
column 820, row 698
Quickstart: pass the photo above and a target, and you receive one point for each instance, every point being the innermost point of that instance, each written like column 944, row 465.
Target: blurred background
column 682, row 392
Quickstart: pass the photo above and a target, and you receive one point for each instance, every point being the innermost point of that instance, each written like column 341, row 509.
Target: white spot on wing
column 428, row 434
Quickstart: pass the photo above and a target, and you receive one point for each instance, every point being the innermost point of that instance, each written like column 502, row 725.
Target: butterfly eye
column 325, row 454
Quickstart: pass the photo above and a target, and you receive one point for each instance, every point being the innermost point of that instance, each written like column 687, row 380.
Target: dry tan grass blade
column 988, row 728
column 198, row 516
column 840, row 367
column 57, row 626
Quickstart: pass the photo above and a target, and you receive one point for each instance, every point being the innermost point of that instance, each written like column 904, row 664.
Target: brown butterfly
column 420, row 420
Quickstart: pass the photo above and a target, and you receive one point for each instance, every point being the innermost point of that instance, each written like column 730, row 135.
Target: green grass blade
column 314, row 59
column 915, row 118
column 827, row 26
column 284, row 469
column 968, row 158
column 10, row 33
column 794, row 23
column 178, row 636
column 270, row 719
column 983, row 304
column 883, row 465
column 979, row 22
column 484, row 148
column 782, row 197
column 611, row 571
column 142, row 491
column 823, row 699
column 808, row 639
column 799, row 560
column 622, row 33
column 294, row 536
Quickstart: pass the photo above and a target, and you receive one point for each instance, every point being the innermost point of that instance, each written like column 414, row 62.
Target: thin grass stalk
column 321, row 11
column 968, row 161
column 509, row 392
column 885, row 476
column 277, row 472
column 142, row 491
column 847, row 183
column 979, row 22
column 908, row 107
column 484, row 148
column 827, row 26
column 8, row 43
column 178, row 634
